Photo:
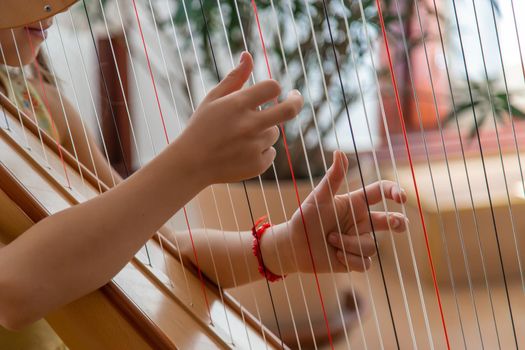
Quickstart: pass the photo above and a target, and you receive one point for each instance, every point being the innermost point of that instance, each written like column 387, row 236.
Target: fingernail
column 297, row 92
column 332, row 238
column 243, row 58
column 394, row 222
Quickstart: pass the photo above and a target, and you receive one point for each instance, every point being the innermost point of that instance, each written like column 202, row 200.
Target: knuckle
column 275, row 134
column 273, row 86
column 289, row 109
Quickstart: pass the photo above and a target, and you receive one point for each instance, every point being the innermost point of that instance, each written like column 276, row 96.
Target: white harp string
column 179, row 123
column 322, row 154
column 394, row 166
column 486, row 182
column 228, row 189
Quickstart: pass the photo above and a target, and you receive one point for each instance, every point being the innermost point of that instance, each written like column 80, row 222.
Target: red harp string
column 288, row 156
column 409, row 154
column 201, row 277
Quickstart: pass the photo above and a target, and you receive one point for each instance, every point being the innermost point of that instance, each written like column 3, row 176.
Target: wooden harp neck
column 34, row 12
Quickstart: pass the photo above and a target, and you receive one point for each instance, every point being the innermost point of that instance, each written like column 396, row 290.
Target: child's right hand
column 229, row 138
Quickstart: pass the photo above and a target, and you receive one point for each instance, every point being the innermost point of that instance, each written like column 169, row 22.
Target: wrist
column 276, row 250
column 183, row 157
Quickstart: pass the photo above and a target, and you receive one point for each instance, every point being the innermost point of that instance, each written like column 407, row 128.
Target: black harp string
column 84, row 70
column 378, row 173
column 127, row 167
column 463, row 155
column 241, row 27
column 487, row 186
column 321, row 147
column 133, row 134
column 523, row 74
column 327, row 97
column 221, row 293
column 385, row 124
column 154, row 150
column 262, row 191
column 458, row 220
column 511, row 117
column 361, row 176
column 244, row 181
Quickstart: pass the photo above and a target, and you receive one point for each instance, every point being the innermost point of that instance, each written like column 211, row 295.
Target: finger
column 354, row 262
column 282, row 111
column 358, row 245
column 234, row 80
column 266, row 159
column 333, row 178
column 269, row 137
column 375, row 191
column 261, row 93
column 381, row 221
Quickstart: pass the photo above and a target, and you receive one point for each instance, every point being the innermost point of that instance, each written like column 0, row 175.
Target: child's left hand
column 353, row 244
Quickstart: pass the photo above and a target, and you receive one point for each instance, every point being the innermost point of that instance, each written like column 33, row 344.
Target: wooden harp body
column 140, row 308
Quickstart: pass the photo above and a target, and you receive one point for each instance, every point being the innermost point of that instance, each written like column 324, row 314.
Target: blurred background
column 459, row 72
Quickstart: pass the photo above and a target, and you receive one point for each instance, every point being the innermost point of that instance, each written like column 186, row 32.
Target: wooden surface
column 140, row 308
column 23, row 15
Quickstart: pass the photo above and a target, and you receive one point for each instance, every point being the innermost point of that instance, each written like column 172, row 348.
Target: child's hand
column 228, row 136
column 338, row 245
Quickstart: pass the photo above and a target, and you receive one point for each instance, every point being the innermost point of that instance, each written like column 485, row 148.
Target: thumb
column 333, row 178
column 234, row 80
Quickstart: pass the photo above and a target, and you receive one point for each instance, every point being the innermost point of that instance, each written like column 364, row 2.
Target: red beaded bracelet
column 258, row 229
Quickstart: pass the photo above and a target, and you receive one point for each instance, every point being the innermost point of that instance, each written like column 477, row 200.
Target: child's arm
column 345, row 250
column 79, row 249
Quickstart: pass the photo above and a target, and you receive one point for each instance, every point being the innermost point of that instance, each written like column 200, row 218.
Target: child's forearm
column 227, row 258
column 79, row 249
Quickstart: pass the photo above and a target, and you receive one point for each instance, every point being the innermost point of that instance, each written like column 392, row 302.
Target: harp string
column 474, row 211
column 301, row 135
column 409, row 155
column 15, row 102
column 322, row 153
column 167, row 141
column 483, row 262
column 127, row 167
column 264, row 198
column 136, row 146
column 66, row 120
column 86, row 78
column 198, row 204
column 327, row 96
column 390, row 150
column 261, row 37
column 325, row 10
column 511, row 117
column 294, row 254
column 422, row 132
column 246, row 191
column 458, row 220
column 128, row 114
column 398, row 268
column 29, row 96
column 46, row 106
column 493, row 218
column 243, row 182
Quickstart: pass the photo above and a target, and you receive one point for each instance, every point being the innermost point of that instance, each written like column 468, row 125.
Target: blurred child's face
column 28, row 40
